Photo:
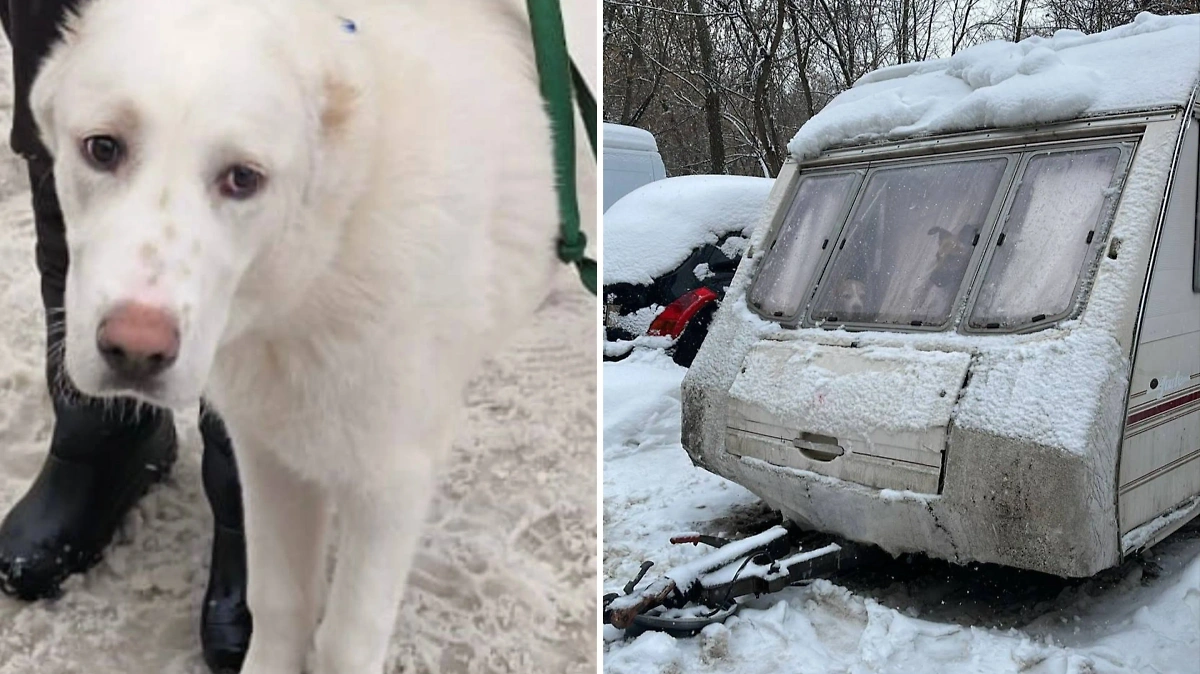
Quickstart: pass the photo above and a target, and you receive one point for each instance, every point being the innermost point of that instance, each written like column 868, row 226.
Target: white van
column 969, row 322
column 631, row 160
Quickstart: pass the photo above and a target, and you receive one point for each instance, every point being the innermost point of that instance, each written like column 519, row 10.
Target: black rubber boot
column 104, row 455
column 225, row 618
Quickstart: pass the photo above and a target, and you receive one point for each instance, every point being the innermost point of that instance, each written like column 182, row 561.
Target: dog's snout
column 138, row 341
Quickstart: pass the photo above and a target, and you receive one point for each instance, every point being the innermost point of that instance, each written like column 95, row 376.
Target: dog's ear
column 340, row 100
column 50, row 75
column 41, row 96
column 942, row 232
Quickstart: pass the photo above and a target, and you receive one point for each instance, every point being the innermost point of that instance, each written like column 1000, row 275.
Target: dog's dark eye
column 102, row 152
column 241, row 182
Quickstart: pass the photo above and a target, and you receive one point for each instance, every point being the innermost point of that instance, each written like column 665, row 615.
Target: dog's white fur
column 406, row 226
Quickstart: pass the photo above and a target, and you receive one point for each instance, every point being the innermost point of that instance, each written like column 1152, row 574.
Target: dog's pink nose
column 138, row 341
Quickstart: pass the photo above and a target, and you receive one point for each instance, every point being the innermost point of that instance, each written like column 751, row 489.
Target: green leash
column 561, row 82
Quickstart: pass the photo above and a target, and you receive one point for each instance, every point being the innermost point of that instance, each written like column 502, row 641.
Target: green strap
column 560, row 82
column 587, row 105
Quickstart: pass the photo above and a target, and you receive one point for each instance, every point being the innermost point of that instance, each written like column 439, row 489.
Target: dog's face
column 186, row 149
column 951, row 257
column 851, row 296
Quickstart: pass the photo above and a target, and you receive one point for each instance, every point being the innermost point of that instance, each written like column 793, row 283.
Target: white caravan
column 969, row 322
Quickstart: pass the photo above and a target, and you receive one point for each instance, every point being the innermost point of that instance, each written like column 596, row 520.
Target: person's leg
column 225, row 618
column 102, row 457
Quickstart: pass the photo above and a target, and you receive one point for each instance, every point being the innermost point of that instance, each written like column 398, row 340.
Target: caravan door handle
column 818, row 447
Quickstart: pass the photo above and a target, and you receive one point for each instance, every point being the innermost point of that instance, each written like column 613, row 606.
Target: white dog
column 323, row 216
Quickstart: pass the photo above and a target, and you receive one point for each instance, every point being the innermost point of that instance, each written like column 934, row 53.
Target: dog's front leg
column 286, row 520
column 381, row 525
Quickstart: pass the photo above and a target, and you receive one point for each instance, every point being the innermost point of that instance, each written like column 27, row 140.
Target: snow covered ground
column 506, row 579
column 917, row 616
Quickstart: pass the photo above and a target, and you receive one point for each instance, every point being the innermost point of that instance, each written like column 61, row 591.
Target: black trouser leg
column 31, row 26
column 225, row 619
column 220, row 472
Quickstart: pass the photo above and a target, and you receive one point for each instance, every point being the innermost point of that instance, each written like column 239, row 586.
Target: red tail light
column 673, row 319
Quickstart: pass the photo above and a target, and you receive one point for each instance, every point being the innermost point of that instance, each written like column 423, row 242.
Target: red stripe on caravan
column 1182, row 392
column 1163, row 408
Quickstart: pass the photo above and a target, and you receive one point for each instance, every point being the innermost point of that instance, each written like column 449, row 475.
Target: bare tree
column 1091, row 16
column 712, row 95
column 723, row 84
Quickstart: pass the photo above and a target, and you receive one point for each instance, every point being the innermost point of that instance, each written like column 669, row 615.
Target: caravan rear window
column 908, row 243
column 998, row 240
column 783, row 284
column 1050, row 232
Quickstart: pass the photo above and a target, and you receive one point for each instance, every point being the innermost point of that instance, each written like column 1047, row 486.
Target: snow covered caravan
column 969, row 323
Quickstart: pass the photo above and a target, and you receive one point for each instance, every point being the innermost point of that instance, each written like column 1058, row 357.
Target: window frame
column 1018, row 154
column 1003, row 187
column 1196, row 167
column 859, row 171
column 1086, row 273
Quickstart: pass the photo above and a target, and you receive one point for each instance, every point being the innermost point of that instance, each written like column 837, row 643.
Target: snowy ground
column 917, row 616
column 506, row 579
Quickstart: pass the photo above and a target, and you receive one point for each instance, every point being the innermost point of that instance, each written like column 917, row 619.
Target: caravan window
column 1048, row 235
column 908, row 243
column 783, row 284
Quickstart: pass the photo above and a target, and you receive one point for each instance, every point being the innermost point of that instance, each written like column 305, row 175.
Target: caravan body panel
column 1160, row 456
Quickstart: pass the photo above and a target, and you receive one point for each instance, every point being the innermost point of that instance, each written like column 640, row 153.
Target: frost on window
column 1046, row 238
column 908, row 243
column 784, row 282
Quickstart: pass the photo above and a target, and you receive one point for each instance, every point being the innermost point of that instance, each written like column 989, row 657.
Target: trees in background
column 724, row 84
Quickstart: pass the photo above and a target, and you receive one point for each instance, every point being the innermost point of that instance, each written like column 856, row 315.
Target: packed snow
column 1149, row 63
column 1044, row 391
column 653, row 229
column 645, row 468
column 814, row 387
column 1142, row 618
column 637, row 322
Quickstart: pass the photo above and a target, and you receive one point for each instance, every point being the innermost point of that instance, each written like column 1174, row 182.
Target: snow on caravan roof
column 629, row 138
column 1153, row 62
